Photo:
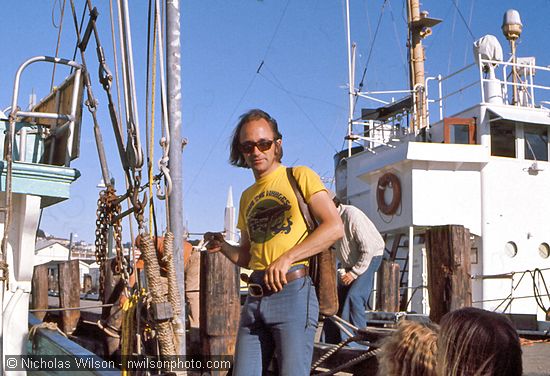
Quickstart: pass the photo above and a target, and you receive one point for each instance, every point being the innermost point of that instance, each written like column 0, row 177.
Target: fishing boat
column 39, row 142
column 463, row 190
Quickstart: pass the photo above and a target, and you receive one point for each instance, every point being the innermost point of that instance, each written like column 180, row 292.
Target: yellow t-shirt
column 269, row 212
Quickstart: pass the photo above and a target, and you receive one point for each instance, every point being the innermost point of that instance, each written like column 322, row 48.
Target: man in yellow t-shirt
column 281, row 311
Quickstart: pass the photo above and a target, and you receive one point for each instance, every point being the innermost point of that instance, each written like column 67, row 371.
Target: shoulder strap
column 304, row 209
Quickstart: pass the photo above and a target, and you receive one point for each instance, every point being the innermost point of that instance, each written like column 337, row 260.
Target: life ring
column 385, row 181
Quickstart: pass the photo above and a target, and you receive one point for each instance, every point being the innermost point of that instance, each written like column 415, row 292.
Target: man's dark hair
column 236, row 158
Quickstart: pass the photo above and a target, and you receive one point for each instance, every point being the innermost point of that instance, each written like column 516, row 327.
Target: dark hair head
column 236, row 158
column 410, row 351
column 473, row 341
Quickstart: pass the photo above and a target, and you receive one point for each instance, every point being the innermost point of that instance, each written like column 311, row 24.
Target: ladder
column 401, row 257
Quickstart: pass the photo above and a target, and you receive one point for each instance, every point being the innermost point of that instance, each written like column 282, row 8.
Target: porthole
column 544, row 250
column 511, row 249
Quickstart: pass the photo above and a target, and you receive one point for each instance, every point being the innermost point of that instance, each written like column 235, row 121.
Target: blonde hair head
column 410, row 351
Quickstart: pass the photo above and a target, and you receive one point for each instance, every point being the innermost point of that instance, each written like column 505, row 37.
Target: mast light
column 511, row 25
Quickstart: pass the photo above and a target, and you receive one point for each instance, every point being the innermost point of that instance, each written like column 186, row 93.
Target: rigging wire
column 75, row 20
column 149, row 81
column 115, row 55
column 469, row 23
column 436, row 36
column 53, row 12
column 62, row 8
column 280, row 86
column 151, row 150
column 117, row 84
column 220, row 134
column 453, row 25
column 241, row 99
column 463, row 19
column 361, row 83
column 397, row 39
column 275, row 32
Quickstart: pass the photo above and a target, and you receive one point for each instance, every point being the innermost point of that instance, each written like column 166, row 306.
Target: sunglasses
column 262, row 145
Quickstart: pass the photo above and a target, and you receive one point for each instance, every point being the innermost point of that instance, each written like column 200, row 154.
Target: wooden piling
column 69, row 295
column 87, row 284
column 387, row 286
column 40, row 290
column 449, row 283
column 219, row 305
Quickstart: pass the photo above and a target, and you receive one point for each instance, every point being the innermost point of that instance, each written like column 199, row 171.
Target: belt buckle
column 255, row 290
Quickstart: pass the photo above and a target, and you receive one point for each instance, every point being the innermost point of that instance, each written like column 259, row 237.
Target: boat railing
column 524, row 71
column 58, row 113
column 533, row 277
column 387, row 122
column 492, row 89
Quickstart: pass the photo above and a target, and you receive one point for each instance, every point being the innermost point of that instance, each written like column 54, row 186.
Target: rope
column 68, row 308
column 44, row 325
column 128, row 324
column 4, row 271
column 164, row 328
column 335, row 349
column 536, row 292
column 359, row 359
column 108, row 329
column 173, row 291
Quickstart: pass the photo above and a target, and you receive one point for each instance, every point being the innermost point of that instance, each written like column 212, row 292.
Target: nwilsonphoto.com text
column 130, row 363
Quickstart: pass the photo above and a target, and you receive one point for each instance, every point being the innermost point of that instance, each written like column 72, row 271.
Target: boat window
column 544, row 250
column 503, row 140
column 459, row 134
column 459, row 130
column 510, row 249
column 536, row 143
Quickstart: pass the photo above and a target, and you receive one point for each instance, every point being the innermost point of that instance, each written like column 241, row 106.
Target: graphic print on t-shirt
column 268, row 215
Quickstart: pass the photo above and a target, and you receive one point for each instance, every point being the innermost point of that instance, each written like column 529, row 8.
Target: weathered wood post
column 387, row 286
column 87, row 284
column 69, row 295
column 40, row 290
column 449, row 284
column 219, row 305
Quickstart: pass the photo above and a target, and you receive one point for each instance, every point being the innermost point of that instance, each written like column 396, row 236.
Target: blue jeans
column 284, row 322
column 356, row 296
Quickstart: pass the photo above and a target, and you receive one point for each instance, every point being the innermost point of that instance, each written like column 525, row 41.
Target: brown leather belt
column 258, row 290
column 296, row 274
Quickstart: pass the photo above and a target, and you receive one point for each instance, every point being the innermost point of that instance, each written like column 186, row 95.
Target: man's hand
column 213, row 241
column 275, row 274
column 347, row 279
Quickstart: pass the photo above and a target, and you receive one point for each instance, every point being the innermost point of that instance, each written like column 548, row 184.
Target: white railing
column 525, row 85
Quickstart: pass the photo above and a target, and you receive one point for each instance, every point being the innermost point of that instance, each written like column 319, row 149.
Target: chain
column 109, row 208
column 101, row 234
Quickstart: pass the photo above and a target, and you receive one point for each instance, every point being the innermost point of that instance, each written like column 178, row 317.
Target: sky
column 287, row 57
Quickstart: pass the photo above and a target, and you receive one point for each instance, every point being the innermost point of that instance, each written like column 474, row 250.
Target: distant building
column 47, row 250
column 55, row 251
